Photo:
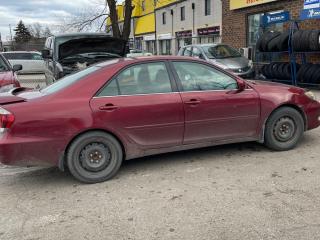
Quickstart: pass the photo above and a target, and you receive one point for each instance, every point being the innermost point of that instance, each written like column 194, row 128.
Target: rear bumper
column 313, row 115
column 28, row 151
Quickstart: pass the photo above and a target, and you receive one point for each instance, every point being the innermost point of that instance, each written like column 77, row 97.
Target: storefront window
column 151, row 46
column 138, row 43
column 255, row 29
column 165, row 47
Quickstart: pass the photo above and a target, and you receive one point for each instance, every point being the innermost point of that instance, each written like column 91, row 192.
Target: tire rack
column 293, row 56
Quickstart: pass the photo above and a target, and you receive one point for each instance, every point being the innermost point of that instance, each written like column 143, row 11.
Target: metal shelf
column 294, row 25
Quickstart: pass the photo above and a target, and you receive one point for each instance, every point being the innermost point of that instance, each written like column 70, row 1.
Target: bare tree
column 97, row 19
column 39, row 31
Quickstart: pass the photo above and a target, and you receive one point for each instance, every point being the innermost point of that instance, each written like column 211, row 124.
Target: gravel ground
column 239, row 191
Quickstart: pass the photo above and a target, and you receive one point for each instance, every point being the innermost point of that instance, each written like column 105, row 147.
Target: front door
column 214, row 110
column 141, row 106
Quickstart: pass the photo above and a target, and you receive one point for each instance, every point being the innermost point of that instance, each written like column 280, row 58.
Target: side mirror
column 17, row 67
column 45, row 53
column 241, row 85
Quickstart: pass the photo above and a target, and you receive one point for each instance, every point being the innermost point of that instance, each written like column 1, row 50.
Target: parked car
column 8, row 76
column 67, row 53
column 138, row 53
column 128, row 108
column 32, row 62
column 222, row 55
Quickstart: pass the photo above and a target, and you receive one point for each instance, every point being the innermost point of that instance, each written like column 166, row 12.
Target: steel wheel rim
column 284, row 129
column 95, row 157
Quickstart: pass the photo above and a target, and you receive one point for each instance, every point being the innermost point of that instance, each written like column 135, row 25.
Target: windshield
column 220, row 52
column 69, row 80
column 3, row 65
column 22, row 56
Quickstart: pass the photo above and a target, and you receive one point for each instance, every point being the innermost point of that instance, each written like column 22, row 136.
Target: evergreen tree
column 22, row 33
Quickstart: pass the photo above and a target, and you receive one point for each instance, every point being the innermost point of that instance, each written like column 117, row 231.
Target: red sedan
column 91, row 121
column 8, row 77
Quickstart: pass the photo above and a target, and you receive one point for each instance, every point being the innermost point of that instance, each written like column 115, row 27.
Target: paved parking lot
column 240, row 191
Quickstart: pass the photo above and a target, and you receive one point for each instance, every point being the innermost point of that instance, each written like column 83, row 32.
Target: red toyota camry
column 121, row 109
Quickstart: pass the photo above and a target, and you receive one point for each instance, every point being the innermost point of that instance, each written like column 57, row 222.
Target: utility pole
column 11, row 39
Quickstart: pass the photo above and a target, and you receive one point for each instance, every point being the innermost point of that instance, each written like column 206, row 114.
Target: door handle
column 193, row 102
column 108, row 107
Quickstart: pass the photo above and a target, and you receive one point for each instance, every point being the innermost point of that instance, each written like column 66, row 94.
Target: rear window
column 22, row 56
column 69, row 80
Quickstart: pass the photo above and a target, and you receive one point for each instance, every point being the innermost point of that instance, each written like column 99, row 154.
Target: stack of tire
column 309, row 73
column 277, row 70
column 306, row 41
column 302, row 41
column 273, row 41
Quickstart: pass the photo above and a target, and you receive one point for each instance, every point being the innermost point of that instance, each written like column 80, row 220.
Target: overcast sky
column 46, row 12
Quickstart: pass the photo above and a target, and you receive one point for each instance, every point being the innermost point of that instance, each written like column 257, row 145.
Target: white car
column 32, row 62
column 138, row 53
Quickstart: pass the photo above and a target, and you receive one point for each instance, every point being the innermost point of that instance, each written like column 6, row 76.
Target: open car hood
column 92, row 44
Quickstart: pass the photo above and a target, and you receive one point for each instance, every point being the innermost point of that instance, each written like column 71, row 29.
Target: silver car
column 222, row 55
column 32, row 62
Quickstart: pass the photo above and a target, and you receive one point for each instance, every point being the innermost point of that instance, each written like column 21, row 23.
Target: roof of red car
column 125, row 61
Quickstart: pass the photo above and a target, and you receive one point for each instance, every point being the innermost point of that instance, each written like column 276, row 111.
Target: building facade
column 163, row 26
column 143, row 23
column 242, row 19
column 187, row 22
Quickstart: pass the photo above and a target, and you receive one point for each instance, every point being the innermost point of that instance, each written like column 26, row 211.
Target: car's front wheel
column 94, row 157
column 284, row 129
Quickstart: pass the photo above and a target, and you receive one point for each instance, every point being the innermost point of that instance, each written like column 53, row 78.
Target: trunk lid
column 18, row 95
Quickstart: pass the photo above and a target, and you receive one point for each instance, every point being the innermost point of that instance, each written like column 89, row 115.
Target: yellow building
column 143, row 23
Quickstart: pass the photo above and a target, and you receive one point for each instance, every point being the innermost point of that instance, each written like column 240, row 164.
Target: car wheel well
column 62, row 161
column 304, row 117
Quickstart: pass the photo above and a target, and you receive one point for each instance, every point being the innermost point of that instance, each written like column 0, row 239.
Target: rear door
column 141, row 104
column 214, row 110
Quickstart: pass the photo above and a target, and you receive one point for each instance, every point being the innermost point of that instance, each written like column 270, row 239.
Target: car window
column 3, row 65
column 187, row 51
column 221, row 51
column 200, row 77
column 140, row 79
column 69, row 80
column 22, row 56
column 197, row 53
column 36, row 56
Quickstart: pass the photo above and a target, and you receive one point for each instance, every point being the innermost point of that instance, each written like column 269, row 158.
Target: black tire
column 297, row 42
column 313, row 72
column 316, row 76
column 273, row 44
column 267, row 37
column 283, row 43
column 263, row 70
column 280, row 71
column 94, row 157
column 305, row 41
column 284, row 129
column 287, row 72
column 301, row 73
column 314, row 40
column 269, row 71
column 259, row 44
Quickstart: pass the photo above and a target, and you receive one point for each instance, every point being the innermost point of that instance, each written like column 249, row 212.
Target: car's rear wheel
column 284, row 129
column 94, row 157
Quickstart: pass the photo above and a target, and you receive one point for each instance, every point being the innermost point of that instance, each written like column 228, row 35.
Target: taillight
column 6, row 119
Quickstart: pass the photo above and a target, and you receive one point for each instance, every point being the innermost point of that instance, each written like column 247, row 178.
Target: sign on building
column 237, row 4
column 313, row 13
column 275, row 18
column 309, row 4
